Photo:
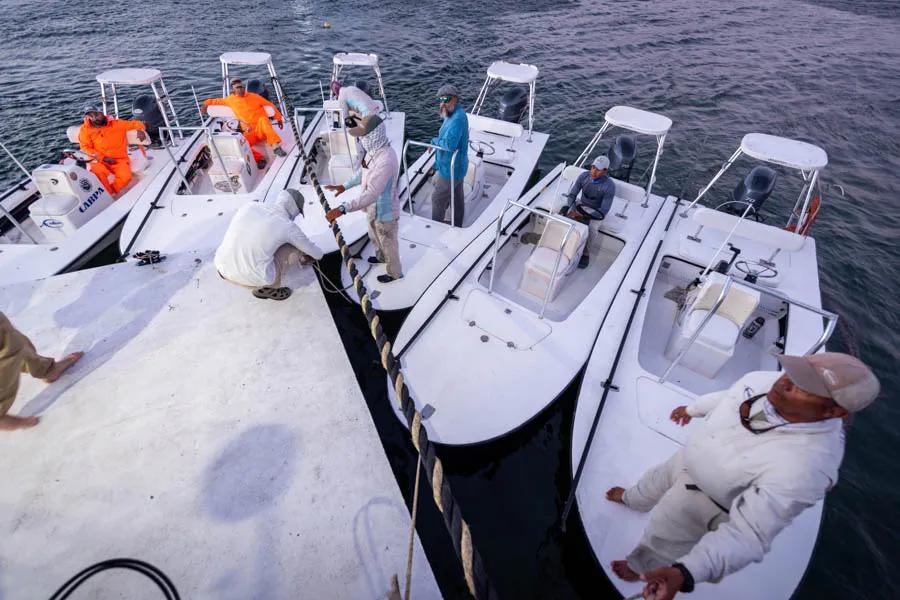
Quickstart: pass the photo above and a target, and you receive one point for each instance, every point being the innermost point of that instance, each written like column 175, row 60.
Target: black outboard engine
column 755, row 188
column 258, row 87
column 145, row 109
column 513, row 104
column 621, row 157
column 364, row 87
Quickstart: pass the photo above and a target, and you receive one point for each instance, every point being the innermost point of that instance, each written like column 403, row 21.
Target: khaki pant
column 17, row 356
column 285, row 257
column 679, row 517
column 385, row 236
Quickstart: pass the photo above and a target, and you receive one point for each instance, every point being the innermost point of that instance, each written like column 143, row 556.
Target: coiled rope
column 473, row 567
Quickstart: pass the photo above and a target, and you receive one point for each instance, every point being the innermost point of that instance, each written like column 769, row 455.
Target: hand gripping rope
column 473, row 568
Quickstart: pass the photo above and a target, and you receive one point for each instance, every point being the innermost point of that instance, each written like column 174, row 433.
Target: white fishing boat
column 61, row 215
column 508, row 325
column 215, row 172
column 715, row 297
column 335, row 155
column 502, row 157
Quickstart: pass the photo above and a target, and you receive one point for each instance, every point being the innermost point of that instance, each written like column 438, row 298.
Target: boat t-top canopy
column 638, row 121
column 794, row 154
column 115, row 78
column 359, row 59
column 356, row 59
column 520, row 73
column 245, row 58
column 251, row 59
column 129, row 76
column 512, row 73
column 784, row 151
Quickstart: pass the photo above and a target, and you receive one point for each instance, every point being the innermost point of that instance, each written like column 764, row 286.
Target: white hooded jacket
column 257, row 230
column 766, row 479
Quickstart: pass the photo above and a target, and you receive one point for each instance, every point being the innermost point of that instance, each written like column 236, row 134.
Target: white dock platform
column 219, row 437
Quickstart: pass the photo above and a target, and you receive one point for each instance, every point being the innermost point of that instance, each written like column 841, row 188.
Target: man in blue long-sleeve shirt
column 597, row 193
column 454, row 135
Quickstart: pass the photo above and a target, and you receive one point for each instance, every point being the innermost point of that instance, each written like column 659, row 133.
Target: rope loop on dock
column 473, row 568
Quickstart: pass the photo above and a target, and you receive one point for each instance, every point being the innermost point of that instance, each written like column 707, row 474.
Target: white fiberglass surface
column 749, row 354
column 574, row 287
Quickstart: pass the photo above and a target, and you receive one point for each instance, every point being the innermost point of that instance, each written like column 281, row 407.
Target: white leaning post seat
column 225, row 112
column 343, row 151
column 473, row 185
column 715, row 344
column 139, row 161
column 240, row 168
column 70, row 197
column 539, row 268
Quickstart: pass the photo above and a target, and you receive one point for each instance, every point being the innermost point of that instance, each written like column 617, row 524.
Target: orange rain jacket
column 108, row 141
column 249, row 108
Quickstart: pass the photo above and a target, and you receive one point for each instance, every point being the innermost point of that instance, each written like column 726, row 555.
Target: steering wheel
column 231, row 125
column 756, row 269
column 483, row 148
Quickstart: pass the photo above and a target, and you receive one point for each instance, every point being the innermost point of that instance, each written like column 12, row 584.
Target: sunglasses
column 445, row 99
column 744, row 414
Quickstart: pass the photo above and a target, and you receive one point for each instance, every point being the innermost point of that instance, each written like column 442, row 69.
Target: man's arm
column 298, row 240
column 452, row 136
column 215, row 102
column 379, row 178
column 129, row 125
column 573, row 191
column 756, row 517
column 609, row 194
column 86, row 143
column 265, row 102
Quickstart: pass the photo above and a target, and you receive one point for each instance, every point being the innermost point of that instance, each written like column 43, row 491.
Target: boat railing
column 569, row 228
column 827, row 331
column 409, row 200
column 207, row 129
column 6, row 213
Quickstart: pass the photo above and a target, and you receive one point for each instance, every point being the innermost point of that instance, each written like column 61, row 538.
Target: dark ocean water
column 826, row 71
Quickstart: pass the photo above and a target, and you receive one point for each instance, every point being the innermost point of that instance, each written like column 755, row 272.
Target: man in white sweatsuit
column 769, row 447
column 262, row 241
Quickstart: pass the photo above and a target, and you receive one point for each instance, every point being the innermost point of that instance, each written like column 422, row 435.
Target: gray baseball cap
column 841, row 377
column 366, row 126
column 290, row 195
column 601, row 162
column 91, row 108
column 448, row 89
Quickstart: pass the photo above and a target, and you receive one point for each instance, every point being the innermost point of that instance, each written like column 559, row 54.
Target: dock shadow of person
column 245, row 482
column 88, row 315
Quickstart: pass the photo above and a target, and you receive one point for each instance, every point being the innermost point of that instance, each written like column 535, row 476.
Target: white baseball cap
column 841, row 377
column 601, row 162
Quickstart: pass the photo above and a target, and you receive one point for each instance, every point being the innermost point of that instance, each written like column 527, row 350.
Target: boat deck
column 221, row 438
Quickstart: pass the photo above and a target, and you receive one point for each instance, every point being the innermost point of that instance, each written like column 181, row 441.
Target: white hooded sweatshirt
column 766, row 479
column 257, row 230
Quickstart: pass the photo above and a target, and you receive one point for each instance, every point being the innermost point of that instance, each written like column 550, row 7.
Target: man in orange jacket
column 105, row 140
column 250, row 109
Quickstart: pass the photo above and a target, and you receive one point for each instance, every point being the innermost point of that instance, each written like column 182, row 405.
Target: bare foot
column 61, row 365
column 621, row 568
column 11, row 423
column 616, row 494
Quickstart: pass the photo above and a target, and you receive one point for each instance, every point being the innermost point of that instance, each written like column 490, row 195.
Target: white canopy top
column 520, row 73
column 245, row 58
column 784, row 151
column 358, row 59
column 638, row 120
column 129, row 76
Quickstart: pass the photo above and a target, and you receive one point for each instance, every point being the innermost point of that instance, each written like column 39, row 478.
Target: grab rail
column 493, row 263
column 827, row 331
column 452, row 177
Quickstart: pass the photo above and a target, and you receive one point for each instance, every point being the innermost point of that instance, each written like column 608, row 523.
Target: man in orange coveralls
column 104, row 139
column 250, row 109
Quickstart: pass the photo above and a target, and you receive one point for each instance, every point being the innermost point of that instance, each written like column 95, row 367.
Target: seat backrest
column 771, row 236
column 72, row 133
column 472, row 174
column 131, row 136
column 555, row 232
column 495, row 126
column 571, row 172
column 738, row 305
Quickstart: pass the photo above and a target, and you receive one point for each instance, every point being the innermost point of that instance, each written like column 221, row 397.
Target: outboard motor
column 258, row 87
column 621, row 157
column 146, row 110
column 513, row 104
column 755, row 188
column 364, row 87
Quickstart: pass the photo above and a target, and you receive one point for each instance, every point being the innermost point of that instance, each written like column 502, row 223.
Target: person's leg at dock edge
column 17, row 356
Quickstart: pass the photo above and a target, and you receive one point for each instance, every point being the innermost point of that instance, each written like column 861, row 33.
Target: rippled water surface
column 825, row 71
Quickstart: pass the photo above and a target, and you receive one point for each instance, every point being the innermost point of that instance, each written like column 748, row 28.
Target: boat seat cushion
column 54, row 205
column 720, row 332
column 473, row 185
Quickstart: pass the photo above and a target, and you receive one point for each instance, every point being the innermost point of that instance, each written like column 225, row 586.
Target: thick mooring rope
column 473, row 568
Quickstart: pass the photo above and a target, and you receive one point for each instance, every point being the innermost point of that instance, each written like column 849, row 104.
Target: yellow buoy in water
column 326, row 25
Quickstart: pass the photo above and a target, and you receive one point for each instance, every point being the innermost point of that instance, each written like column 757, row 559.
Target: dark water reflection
column 824, row 71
